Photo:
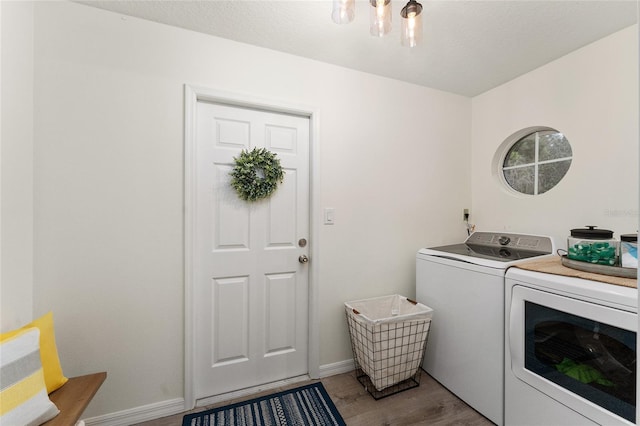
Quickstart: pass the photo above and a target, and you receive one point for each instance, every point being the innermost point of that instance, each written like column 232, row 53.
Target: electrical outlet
column 465, row 214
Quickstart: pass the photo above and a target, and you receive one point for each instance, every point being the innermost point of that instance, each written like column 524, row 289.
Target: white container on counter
column 629, row 251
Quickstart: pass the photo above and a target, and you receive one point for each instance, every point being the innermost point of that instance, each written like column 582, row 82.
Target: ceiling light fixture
column 411, row 26
column 380, row 18
column 343, row 11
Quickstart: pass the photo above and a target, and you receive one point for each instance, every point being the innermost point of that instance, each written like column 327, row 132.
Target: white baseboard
column 175, row 406
column 336, row 368
column 138, row 414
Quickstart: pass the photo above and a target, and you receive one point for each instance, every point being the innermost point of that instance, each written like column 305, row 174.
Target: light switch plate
column 329, row 216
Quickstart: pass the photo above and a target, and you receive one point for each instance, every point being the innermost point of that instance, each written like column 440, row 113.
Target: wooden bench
column 73, row 397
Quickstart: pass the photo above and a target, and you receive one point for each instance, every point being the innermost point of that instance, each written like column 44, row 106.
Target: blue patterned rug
column 308, row 405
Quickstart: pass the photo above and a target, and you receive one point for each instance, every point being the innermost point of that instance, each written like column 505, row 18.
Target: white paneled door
column 250, row 282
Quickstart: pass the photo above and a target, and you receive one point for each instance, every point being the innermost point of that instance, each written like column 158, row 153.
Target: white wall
column 108, row 176
column 16, row 165
column 590, row 95
column 108, row 185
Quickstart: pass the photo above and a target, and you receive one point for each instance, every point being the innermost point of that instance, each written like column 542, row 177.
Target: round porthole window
column 534, row 160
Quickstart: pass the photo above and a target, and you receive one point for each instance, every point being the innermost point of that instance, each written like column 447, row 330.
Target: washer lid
column 494, row 249
column 501, row 254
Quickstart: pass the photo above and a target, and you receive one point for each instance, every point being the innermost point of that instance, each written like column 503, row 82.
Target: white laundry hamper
column 388, row 338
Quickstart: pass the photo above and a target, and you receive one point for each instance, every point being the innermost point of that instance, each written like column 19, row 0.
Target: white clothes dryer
column 570, row 351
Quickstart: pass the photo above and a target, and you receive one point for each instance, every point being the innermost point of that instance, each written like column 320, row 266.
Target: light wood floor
column 428, row 404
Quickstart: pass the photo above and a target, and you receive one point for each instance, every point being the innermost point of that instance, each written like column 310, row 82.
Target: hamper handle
column 412, row 301
column 355, row 311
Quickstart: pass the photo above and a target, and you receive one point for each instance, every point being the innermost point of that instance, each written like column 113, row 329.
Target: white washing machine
column 570, row 351
column 464, row 285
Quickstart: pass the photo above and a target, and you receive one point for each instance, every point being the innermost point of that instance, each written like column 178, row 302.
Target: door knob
column 303, row 259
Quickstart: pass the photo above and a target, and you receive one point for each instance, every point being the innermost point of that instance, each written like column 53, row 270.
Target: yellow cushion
column 53, row 376
column 23, row 395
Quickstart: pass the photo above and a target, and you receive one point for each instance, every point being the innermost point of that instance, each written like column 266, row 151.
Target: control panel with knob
column 504, row 240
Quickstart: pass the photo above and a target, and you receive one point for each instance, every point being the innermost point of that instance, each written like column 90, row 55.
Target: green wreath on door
column 256, row 174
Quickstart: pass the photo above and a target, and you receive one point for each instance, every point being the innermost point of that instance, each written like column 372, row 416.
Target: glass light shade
column 380, row 17
column 343, row 11
column 411, row 24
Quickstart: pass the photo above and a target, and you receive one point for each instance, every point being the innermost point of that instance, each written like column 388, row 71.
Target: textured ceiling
column 468, row 47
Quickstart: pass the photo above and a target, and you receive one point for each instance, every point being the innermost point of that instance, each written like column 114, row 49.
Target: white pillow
column 23, row 393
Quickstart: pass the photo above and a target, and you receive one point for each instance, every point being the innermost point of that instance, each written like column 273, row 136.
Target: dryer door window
column 579, row 353
column 594, row 360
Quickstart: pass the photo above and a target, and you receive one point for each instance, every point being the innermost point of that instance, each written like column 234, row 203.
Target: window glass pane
column 553, row 145
column 550, row 174
column 521, row 179
column 544, row 154
column 522, row 152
